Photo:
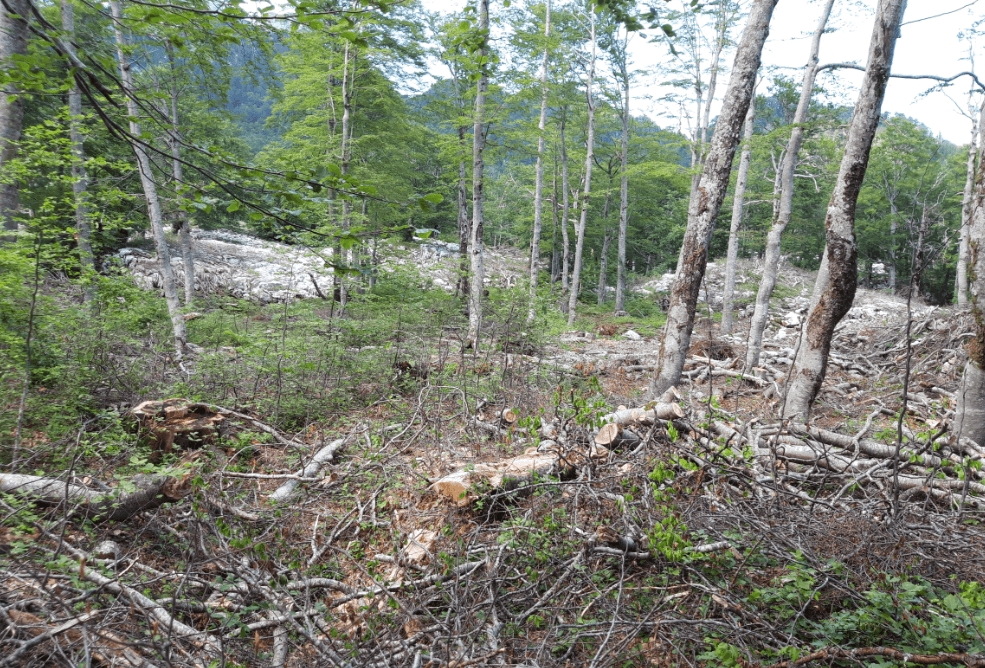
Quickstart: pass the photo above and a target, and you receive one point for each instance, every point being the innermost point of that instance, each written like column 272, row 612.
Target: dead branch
column 322, row 457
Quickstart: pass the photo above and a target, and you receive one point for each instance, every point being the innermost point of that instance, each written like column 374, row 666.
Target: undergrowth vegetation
column 672, row 553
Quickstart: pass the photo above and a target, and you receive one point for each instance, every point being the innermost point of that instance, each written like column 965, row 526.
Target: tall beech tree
column 585, row 200
column 618, row 48
column 477, row 272
column 969, row 419
column 177, row 173
column 149, row 185
column 456, row 101
column 539, row 185
column 771, row 262
column 706, row 201
column 834, row 290
column 967, row 202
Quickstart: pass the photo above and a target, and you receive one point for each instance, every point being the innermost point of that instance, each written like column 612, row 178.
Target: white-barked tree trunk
column 771, row 263
column 149, row 187
column 834, row 296
column 708, row 197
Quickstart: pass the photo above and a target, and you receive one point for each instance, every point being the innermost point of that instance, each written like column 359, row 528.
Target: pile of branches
column 671, row 534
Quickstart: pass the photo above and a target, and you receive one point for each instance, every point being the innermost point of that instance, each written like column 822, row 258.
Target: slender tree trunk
column 462, row 288
column 967, row 209
column 705, row 99
column 346, row 153
column 738, row 202
column 836, row 294
column 555, row 255
column 478, row 145
column 606, row 238
column 80, row 180
column 891, row 251
column 707, row 202
column 788, row 166
column 604, row 265
column 565, row 209
column 623, row 187
column 539, row 187
column 13, row 42
column 184, row 229
column 150, row 188
column 587, row 192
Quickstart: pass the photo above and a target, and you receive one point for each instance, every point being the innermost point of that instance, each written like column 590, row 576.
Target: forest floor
column 699, row 531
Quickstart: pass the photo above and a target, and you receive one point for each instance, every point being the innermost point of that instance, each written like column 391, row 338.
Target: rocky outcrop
column 240, row 265
column 267, row 271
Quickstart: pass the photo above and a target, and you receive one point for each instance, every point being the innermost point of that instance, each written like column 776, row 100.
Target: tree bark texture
column 462, row 287
column 539, row 187
column 345, row 152
column 13, row 42
column 623, row 184
column 184, row 229
column 478, row 145
column 835, row 296
column 565, row 207
column 771, row 263
column 149, row 187
column 738, row 204
column 967, row 210
column 80, row 180
column 707, row 200
column 147, row 492
column 969, row 418
column 604, row 258
column 587, row 191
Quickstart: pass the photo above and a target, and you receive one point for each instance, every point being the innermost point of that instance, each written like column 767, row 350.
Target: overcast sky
column 929, row 44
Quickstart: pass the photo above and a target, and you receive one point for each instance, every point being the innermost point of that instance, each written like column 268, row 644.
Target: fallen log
column 465, row 484
column 644, row 416
column 864, row 445
column 145, row 493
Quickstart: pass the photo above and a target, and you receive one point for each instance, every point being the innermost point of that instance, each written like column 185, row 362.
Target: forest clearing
column 364, row 334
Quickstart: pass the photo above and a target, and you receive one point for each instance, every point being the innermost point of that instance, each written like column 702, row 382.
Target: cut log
column 645, row 416
column 147, row 492
column 508, row 417
column 615, row 436
column 463, row 485
column 670, row 395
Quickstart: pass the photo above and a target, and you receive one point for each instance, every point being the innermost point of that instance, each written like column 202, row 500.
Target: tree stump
column 177, row 422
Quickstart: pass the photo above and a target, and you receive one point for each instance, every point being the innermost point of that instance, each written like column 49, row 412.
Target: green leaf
column 233, row 206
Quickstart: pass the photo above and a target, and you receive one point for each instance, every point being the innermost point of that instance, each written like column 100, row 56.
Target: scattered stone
column 631, row 335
